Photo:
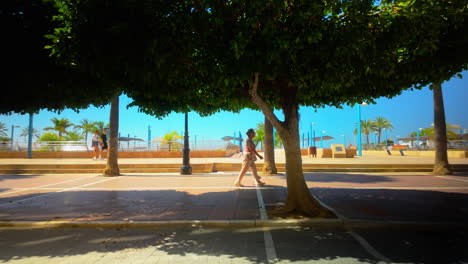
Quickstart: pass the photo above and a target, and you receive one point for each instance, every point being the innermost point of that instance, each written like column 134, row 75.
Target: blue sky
column 407, row 112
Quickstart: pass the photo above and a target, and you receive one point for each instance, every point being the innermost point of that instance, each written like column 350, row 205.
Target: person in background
column 250, row 156
column 103, row 143
column 95, row 144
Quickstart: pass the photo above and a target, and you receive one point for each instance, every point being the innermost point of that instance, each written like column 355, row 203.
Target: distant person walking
column 103, row 144
column 250, row 156
column 95, row 144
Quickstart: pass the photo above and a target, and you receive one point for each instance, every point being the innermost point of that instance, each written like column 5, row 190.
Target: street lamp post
column 149, row 137
column 344, row 140
column 186, row 169
column 313, row 133
column 30, row 135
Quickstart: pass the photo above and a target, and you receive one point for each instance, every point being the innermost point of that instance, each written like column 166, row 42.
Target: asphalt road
column 231, row 245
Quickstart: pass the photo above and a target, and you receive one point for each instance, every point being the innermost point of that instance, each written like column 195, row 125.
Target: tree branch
column 266, row 109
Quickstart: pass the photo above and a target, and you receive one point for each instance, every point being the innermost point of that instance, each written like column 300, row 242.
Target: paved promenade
column 164, row 198
column 404, row 217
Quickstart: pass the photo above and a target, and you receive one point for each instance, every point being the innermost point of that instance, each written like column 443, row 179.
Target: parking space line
column 38, row 187
column 269, row 245
column 371, row 250
column 63, row 190
column 450, row 178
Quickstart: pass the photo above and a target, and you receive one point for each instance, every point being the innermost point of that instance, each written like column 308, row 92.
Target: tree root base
column 111, row 173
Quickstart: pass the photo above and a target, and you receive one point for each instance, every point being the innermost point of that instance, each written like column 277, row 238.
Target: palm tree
column 3, row 130
column 367, row 127
column 25, row 132
column 381, row 123
column 170, row 139
column 86, row 127
column 260, row 133
column 74, row 136
column 99, row 125
column 60, row 125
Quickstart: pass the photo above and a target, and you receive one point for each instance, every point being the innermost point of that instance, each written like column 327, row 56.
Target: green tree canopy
column 211, row 55
column 60, row 125
column 33, row 79
column 73, row 136
column 50, row 137
column 171, row 141
column 381, row 123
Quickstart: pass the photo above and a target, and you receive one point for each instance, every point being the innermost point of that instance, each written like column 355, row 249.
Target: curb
column 335, row 224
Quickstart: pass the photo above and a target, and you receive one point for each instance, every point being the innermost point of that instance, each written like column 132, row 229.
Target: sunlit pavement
column 418, row 198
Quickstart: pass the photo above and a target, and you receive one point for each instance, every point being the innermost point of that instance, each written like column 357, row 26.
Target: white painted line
column 269, row 245
column 261, row 205
column 63, row 190
column 450, row 178
column 38, row 187
column 369, row 248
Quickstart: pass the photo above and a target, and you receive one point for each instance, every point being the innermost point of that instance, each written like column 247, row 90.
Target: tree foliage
column 210, row 55
column 33, row 79
column 60, row 125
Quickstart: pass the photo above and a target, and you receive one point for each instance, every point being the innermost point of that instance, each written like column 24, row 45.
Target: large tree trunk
column 299, row 197
column 112, row 167
column 441, row 164
column 269, row 166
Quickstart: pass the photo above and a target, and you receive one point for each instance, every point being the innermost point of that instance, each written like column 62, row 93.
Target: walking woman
column 249, row 160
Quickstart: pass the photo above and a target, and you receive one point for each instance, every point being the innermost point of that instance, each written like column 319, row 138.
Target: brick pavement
column 416, row 197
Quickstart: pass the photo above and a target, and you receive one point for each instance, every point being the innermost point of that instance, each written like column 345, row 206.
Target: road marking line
column 38, row 187
column 371, row 250
column 445, row 177
column 269, row 245
column 63, row 190
column 261, row 205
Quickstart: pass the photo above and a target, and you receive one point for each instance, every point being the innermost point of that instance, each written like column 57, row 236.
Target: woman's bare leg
column 245, row 167
column 253, row 167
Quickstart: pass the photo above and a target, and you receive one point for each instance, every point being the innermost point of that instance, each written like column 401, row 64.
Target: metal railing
column 123, row 145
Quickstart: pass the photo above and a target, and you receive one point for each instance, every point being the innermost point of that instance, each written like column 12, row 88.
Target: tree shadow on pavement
column 167, row 244
column 397, row 205
column 176, row 245
column 346, row 177
column 197, row 243
column 7, row 177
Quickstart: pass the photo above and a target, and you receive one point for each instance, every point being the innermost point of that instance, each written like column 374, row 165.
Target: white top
column 95, row 137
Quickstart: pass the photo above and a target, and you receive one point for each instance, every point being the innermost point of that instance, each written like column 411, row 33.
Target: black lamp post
column 186, row 169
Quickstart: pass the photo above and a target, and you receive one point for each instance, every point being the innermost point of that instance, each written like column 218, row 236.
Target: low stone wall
column 327, row 153
column 429, row 153
column 123, row 154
